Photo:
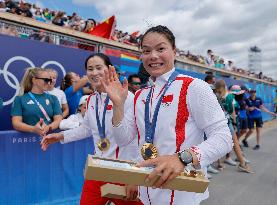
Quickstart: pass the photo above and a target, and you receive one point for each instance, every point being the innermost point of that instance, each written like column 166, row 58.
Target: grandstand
column 29, row 176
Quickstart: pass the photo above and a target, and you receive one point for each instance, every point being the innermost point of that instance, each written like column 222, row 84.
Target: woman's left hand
column 45, row 128
column 131, row 192
column 167, row 168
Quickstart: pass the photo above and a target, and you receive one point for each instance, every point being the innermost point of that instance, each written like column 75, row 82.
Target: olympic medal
column 149, row 151
column 104, row 144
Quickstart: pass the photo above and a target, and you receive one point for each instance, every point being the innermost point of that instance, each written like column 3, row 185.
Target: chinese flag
column 167, row 99
column 135, row 34
column 105, row 28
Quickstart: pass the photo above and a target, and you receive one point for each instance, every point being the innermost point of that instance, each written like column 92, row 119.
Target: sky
column 228, row 27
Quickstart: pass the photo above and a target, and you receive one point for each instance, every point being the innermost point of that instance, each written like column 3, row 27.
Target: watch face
column 186, row 157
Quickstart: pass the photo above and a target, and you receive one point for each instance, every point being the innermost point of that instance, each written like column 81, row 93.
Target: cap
column 235, row 89
column 243, row 87
column 83, row 99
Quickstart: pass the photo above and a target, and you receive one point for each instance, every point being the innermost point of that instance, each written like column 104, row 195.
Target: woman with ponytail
column 34, row 110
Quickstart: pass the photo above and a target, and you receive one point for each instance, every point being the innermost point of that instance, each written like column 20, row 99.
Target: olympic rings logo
column 11, row 79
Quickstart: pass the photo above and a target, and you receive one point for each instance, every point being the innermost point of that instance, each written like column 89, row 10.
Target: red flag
column 104, row 29
column 167, row 99
column 135, row 34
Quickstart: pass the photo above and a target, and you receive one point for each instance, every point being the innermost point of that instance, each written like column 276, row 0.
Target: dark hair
column 239, row 97
column 90, row 19
column 104, row 57
column 86, row 24
column 209, row 77
column 161, row 30
column 130, row 78
column 66, row 82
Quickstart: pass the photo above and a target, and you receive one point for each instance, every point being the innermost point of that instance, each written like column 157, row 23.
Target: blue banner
column 18, row 54
column 29, row 175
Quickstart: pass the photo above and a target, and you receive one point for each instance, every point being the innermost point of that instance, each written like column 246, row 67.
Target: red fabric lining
column 182, row 113
column 91, row 194
column 88, row 100
column 116, row 152
column 172, row 197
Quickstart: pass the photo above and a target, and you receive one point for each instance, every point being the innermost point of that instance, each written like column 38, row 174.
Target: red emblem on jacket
column 109, row 107
column 167, row 99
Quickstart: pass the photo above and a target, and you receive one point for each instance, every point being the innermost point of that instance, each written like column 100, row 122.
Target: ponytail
column 26, row 82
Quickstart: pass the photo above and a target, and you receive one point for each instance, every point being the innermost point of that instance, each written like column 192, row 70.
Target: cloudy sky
column 228, row 27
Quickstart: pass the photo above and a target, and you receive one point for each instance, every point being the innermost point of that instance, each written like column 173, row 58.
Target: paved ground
column 231, row 187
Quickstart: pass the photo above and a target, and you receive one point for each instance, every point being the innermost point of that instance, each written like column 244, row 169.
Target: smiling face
column 158, row 54
column 53, row 76
column 95, row 71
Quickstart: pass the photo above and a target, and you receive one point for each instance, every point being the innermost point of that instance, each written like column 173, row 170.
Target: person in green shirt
column 34, row 110
column 228, row 103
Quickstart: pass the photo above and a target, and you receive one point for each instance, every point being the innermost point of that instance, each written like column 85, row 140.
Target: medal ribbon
column 40, row 107
column 151, row 126
column 101, row 128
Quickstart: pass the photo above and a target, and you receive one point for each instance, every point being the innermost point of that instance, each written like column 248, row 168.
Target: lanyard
column 101, row 128
column 151, row 126
column 40, row 107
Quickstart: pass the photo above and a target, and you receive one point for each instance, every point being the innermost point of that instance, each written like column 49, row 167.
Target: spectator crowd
column 60, row 18
column 213, row 60
column 75, row 22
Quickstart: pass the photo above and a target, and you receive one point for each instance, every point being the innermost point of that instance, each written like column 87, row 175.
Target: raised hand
column 167, row 168
column 117, row 92
column 50, row 139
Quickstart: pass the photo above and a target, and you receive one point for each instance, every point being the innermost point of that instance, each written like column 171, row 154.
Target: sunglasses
column 136, row 83
column 46, row 80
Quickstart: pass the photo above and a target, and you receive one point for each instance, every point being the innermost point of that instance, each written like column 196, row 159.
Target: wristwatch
column 185, row 157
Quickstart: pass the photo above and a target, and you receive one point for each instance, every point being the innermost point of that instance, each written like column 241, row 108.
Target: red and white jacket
column 188, row 109
column 89, row 128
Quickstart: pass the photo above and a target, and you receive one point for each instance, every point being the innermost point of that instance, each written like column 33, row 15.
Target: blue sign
column 29, row 175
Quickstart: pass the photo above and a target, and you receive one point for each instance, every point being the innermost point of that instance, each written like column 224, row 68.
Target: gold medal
column 149, row 151
column 103, row 144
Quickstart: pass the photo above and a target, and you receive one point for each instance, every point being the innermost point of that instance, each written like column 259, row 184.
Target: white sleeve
column 81, row 132
column 209, row 117
column 69, row 123
column 126, row 132
column 63, row 98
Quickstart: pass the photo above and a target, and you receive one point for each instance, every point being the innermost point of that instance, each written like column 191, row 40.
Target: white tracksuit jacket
column 89, row 129
column 189, row 108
